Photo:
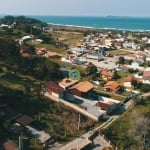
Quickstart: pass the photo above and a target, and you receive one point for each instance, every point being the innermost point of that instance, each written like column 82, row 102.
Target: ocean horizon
column 126, row 23
column 106, row 22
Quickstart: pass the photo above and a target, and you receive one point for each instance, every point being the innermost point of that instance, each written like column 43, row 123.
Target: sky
column 76, row 7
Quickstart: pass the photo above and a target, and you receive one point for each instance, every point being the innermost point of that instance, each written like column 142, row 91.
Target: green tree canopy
column 9, row 51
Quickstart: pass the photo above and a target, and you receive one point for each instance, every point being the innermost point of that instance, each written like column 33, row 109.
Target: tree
column 140, row 128
column 121, row 60
column 9, row 51
column 145, row 87
column 91, row 69
column 134, row 83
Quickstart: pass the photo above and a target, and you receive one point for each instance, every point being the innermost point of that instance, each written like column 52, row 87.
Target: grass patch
column 110, row 95
column 18, row 82
column 121, row 76
column 12, row 85
column 62, row 63
column 69, row 38
column 120, row 51
column 118, row 132
column 53, row 48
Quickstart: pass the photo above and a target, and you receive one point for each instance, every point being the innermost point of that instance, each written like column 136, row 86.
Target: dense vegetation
column 23, row 23
column 39, row 67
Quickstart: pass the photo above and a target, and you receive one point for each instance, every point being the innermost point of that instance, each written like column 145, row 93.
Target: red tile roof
column 106, row 73
column 112, row 85
column 84, row 86
column 54, row 87
column 146, row 73
column 129, row 79
column 103, row 106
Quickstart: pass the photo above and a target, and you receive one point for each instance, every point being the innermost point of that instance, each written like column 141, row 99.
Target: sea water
column 119, row 23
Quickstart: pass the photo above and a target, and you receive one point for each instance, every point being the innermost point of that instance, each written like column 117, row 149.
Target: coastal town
column 83, row 79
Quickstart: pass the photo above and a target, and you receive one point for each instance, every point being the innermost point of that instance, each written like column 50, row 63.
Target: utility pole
column 21, row 141
column 79, row 120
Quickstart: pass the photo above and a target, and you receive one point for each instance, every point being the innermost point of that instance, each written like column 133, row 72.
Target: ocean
column 116, row 23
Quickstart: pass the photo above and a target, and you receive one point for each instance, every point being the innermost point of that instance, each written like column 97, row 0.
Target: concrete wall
column 76, row 108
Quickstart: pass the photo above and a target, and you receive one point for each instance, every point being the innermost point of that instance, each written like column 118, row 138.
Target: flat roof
column 67, row 82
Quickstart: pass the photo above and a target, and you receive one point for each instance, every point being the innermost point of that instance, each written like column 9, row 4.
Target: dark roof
column 24, row 120
column 102, row 105
column 54, row 87
column 10, row 114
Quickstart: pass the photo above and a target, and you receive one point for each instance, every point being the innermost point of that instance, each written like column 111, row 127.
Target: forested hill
column 22, row 23
column 20, row 20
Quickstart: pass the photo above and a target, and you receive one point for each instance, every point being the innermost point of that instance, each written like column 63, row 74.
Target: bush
column 145, row 87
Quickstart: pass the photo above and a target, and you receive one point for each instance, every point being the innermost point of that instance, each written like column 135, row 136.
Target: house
column 82, row 88
column 130, row 57
column 106, row 74
column 67, row 83
column 135, row 57
column 69, row 58
column 128, row 81
column 96, row 56
column 117, row 44
column 42, row 136
column 136, row 64
column 146, row 76
column 78, row 50
column 109, row 108
column 112, row 86
column 54, row 89
column 52, row 55
column 147, row 50
column 24, row 120
column 102, row 105
column 40, row 51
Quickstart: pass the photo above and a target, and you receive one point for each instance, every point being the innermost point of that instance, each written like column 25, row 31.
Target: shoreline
column 95, row 28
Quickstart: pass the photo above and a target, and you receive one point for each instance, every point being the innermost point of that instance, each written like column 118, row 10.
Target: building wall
column 127, row 84
column 75, row 92
column 146, row 81
column 57, row 95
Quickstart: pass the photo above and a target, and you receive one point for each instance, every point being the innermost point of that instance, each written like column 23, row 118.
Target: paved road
column 109, row 63
column 99, row 142
column 146, row 94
